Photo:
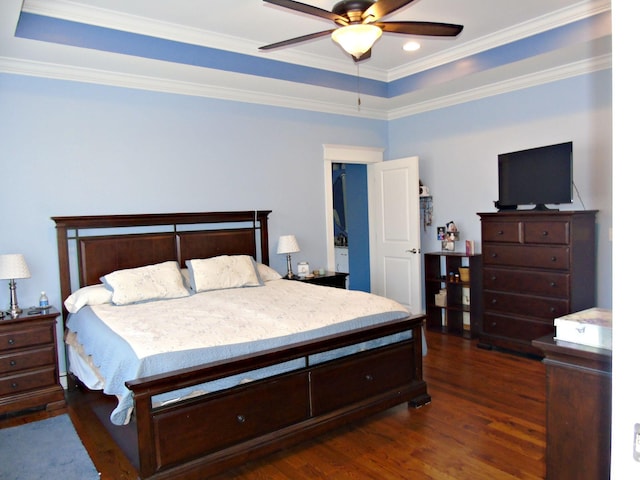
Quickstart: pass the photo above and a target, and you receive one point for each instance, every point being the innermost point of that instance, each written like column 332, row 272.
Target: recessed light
column 411, row 46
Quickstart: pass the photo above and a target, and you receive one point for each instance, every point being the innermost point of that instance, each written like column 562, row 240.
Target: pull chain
column 358, row 85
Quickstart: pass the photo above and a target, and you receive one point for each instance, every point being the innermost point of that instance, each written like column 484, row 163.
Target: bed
column 203, row 414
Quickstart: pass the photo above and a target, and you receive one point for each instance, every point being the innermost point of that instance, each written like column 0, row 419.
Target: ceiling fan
column 359, row 24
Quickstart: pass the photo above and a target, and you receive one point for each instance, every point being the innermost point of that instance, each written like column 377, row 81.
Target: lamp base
column 14, row 309
column 289, row 269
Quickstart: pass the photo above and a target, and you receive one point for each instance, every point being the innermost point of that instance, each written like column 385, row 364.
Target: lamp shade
column 12, row 266
column 288, row 244
column 356, row 39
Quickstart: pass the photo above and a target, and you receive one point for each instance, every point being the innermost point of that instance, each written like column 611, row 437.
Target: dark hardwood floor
column 486, row 421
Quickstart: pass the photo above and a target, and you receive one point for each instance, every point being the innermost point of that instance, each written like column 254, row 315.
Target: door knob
column 414, row 250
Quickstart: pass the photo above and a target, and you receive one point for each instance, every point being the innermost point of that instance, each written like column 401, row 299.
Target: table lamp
column 288, row 244
column 12, row 266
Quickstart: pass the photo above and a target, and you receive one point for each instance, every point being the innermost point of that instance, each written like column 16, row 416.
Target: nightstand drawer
column 556, row 258
column 29, row 380
column 17, row 361
column 22, row 338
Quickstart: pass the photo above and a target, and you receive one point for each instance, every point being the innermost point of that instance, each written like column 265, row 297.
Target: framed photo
column 448, row 246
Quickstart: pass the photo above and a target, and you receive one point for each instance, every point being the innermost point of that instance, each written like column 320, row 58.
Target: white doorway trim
column 341, row 154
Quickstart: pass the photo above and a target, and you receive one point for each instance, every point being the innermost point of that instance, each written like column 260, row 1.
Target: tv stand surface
column 541, row 207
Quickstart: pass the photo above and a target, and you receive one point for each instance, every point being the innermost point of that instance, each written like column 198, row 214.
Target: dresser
column 29, row 363
column 537, row 266
column 578, row 410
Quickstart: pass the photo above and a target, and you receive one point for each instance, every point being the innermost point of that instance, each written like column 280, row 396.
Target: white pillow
column 91, row 295
column 267, row 273
column 224, row 271
column 142, row 284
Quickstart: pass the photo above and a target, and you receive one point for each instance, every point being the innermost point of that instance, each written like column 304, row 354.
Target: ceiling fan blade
column 311, row 10
column 421, row 28
column 291, row 41
column 381, row 8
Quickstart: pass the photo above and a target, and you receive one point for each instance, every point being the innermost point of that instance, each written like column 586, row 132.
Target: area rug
column 49, row 449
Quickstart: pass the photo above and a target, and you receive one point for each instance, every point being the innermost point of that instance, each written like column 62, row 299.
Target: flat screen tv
column 538, row 176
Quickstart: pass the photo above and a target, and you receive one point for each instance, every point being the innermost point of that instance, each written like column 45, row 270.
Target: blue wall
column 72, row 149
column 358, row 221
column 69, row 148
column 458, row 149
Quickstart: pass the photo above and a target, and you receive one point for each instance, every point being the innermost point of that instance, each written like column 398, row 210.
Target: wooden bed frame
column 205, row 435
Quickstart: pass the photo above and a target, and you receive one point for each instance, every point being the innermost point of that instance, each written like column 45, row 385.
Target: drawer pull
column 493, row 278
column 368, row 377
column 545, row 233
column 241, row 418
column 493, row 301
column 554, row 258
column 12, row 341
column 500, row 232
column 553, row 284
column 12, row 363
column 552, row 309
column 14, row 385
column 494, row 255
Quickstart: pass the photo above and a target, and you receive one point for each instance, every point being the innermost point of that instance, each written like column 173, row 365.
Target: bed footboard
column 208, row 434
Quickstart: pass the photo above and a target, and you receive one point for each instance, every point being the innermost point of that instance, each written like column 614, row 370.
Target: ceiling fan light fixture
column 356, row 39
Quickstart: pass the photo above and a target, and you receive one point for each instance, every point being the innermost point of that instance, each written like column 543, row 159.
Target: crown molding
column 100, row 17
column 575, row 69
column 574, row 13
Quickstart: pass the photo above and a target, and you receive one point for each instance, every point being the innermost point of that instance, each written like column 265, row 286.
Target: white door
column 394, row 229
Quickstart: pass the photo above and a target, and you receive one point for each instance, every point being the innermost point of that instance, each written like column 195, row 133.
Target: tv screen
column 537, row 176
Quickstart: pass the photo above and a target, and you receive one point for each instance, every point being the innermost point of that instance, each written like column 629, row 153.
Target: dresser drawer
column 254, row 410
column 532, row 282
column 22, row 338
column 529, row 305
column 556, row 258
column 29, row 380
column 339, row 385
column 547, row 232
column 22, row 360
column 502, row 232
column 519, row 329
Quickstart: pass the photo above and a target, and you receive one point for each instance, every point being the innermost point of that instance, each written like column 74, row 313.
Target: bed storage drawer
column 255, row 410
column 334, row 386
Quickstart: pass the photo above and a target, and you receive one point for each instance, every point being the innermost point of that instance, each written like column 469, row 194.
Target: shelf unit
column 459, row 315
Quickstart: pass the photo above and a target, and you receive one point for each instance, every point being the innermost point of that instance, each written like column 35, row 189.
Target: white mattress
column 126, row 342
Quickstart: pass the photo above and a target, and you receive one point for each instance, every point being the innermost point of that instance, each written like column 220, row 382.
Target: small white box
column 590, row 327
column 441, row 298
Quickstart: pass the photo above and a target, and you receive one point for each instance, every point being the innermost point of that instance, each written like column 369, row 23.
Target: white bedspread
column 127, row 342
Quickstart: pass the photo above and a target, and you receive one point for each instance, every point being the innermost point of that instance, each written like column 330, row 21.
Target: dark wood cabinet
column 578, row 410
column 29, row 363
column 461, row 301
column 537, row 266
column 329, row 279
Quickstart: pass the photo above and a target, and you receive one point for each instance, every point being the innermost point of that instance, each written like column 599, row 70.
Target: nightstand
column 29, row 362
column 329, row 279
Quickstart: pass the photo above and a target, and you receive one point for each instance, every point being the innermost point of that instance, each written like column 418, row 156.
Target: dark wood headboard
column 92, row 246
